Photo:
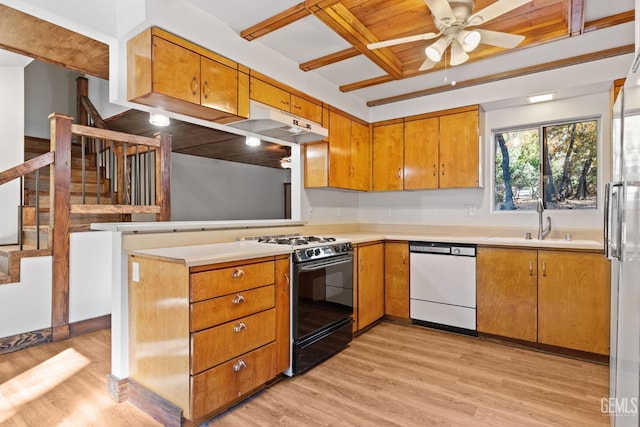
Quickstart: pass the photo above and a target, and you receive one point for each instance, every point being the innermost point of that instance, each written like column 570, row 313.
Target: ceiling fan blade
column 408, row 39
column 496, row 38
column 441, row 10
column 494, row 10
column 458, row 55
column 427, row 65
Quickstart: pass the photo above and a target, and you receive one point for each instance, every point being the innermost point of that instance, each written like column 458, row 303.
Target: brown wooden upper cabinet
column 345, row 160
column 434, row 150
column 264, row 90
column 168, row 73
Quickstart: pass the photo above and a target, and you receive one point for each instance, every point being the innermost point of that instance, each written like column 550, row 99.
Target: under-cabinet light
column 541, row 98
column 252, row 141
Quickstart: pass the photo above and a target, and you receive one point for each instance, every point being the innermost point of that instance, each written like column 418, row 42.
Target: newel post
column 59, row 222
column 163, row 176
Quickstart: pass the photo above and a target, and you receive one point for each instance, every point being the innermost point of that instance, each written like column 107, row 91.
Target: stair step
column 41, row 145
column 76, row 175
column 75, row 187
column 76, row 199
column 76, row 162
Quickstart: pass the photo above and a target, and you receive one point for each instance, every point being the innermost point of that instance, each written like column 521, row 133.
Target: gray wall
column 210, row 189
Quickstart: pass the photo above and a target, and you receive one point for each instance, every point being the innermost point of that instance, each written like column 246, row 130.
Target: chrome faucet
column 542, row 232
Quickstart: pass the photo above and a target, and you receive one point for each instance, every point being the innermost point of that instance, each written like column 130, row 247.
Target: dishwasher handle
column 437, row 248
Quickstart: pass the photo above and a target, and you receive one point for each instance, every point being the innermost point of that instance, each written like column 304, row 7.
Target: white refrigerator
column 622, row 247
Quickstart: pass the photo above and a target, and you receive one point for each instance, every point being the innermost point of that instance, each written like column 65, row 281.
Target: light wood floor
column 392, row 375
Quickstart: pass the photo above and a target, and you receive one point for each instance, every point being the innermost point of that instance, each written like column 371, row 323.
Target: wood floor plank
column 392, row 375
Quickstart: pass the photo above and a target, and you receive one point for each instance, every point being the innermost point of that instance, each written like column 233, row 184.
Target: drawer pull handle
column 238, row 273
column 544, row 268
column 239, row 365
column 241, row 326
column 530, row 268
column 206, row 90
column 238, row 299
column 286, row 286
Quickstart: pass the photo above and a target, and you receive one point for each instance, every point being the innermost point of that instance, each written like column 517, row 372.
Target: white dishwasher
column 442, row 283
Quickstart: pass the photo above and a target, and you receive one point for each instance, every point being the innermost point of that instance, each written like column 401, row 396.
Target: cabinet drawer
column 269, row 94
column 225, row 281
column 225, row 383
column 216, row 345
column 212, row 312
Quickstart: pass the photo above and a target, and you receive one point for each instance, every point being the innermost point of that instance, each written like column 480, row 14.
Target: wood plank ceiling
column 361, row 22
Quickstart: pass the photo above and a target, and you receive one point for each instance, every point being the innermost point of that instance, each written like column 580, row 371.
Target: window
column 556, row 162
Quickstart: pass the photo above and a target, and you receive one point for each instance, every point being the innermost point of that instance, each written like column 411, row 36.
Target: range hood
column 274, row 123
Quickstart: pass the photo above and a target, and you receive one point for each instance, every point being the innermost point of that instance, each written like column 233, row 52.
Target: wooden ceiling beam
column 36, row 38
column 284, row 18
column 330, row 59
column 366, row 83
column 566, row 62
column 610, row 21
column 344, row 23
column 576, row 17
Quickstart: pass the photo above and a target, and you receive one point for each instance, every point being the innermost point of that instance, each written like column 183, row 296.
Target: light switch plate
column 135, row 271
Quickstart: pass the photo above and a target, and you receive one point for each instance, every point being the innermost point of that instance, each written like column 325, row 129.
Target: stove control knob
column 309, row 252
column 317, row 251
column 338, row 248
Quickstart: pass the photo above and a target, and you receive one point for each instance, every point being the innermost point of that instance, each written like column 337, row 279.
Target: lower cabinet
column 204, row 337
column 369, row 284
column 558, row 298
column 396, row 279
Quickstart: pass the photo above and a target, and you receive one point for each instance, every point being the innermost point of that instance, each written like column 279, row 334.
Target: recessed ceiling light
column 542, row 97
column 159, row 119
column 252, row 141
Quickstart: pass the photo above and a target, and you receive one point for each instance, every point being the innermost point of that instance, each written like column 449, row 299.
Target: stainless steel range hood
column 268, row 121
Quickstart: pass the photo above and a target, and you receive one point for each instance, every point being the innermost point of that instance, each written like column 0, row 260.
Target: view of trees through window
column 555, row 162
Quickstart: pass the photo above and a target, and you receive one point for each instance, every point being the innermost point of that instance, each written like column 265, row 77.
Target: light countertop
column 214, row 253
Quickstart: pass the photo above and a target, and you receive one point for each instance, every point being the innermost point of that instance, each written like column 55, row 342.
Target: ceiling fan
column 452, row 17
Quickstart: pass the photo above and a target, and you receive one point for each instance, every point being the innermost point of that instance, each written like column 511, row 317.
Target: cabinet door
column 219, row 86
column 360, row 157
column 370, row 284
column 459, row 150
column 573, row 300
column 396, row 279
column 388, row 157
column 316, row 164
column 283, row 343
column 176, row 71
column 421, row 154
column 307, row 109
column 506, row 288
column 339, row 150
column 269, row 94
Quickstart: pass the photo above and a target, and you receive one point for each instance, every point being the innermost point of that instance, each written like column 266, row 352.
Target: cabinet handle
column 205, row 90
column 399, row 173
column 239, row 327
column 442, row 169
column 238, row 273
column 239, row 365
column 435, row 170
column 238, row 299
column 544, row 268
column 297, row 106
column 286, row 287
column 194, row 86
column 284, row 102
column 530, row 268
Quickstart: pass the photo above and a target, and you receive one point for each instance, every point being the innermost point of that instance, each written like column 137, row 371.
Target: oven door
column 322, row 294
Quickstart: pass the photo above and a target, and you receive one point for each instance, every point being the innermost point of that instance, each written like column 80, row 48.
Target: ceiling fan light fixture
column 469, row 40
column 434, row 51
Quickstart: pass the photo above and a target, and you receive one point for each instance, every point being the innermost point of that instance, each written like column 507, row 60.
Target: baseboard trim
column 117, row 388
column 156, row 406
column 24, row 340
column 90, row 325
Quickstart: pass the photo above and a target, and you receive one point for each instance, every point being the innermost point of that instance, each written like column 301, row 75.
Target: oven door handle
column 319, row 266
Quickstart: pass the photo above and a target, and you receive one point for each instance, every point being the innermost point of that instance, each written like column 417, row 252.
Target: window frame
column 540, row 125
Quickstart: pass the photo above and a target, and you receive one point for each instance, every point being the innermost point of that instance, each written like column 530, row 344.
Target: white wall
column 209, row 189
column 446, row 207
column 48, row 89
column 11, row 147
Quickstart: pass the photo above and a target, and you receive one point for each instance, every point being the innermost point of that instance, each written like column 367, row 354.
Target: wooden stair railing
column 125, row 147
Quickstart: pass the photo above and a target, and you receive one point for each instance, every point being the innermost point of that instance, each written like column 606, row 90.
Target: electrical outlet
column 470, row 210
column 339, row 212
column 135, row 271
column 387, row 212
